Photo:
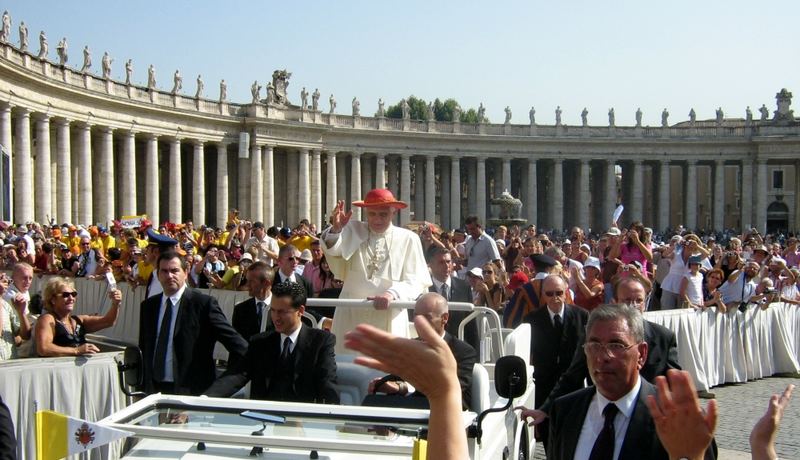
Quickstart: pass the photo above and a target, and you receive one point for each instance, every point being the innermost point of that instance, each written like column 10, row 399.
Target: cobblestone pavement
column 740, row 406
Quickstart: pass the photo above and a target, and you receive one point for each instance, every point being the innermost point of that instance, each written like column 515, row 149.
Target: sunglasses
column 554, row 293
column 67, row 294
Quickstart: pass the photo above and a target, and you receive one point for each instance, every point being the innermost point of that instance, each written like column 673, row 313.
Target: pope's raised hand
column 340, row 218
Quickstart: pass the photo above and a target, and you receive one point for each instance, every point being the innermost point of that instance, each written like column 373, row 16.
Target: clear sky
column 582, row 53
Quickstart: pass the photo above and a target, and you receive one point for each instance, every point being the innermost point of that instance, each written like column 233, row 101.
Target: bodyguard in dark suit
column 662, row 351
column 434, row 307
column 292, row 363
column 590, row 423
column 453, row 289
column 177, row 333
column 288, row 260
column 252, row 316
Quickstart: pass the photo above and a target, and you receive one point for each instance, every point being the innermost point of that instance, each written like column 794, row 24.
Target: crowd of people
column 562, row 284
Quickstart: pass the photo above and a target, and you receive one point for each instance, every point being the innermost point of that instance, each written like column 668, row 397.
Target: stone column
column 304, row 212
column 611, row 192
column 746, row 195
column 243, row 188
column 175, row 187
column 405, row 186
column 506, row 174
column 269, row 185
column 663, row 196
column 558, row 194
column 6, row 141
column 380, row 170
column 199, row 184
column 127, row 182
column 719, row 195
column 106, row 213
column 419, row 189
column 221, row 195
column 316, row 189
column 256, row 184
column 355, row 183
column 151, row 202
column 584, row 198
column 42, row 194
column 638, row 191
column 761, row 197
column 84, row 176
column 455, row 193
column 23, row 180
column 480, row 189
column 331, row 192
column 690, row 214
column 532, row 201
column 341, row 177
column 430, row 188
column 64, row 171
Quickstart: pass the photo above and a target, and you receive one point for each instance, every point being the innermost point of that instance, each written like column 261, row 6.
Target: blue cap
column 694, row 260
column 160, row 240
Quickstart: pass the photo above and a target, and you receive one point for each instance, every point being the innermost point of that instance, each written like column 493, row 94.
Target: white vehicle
column 185, row 427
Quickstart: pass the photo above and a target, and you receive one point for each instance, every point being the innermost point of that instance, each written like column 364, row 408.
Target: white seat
column 352, row 382
column 518, row 342
column 480, row 389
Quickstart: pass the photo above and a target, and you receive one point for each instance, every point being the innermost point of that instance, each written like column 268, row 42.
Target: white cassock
column 370, row 264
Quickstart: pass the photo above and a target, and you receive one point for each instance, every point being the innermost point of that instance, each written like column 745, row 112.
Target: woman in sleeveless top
column 58, row 331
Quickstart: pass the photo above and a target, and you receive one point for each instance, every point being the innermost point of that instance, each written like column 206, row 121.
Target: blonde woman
column 58, row 331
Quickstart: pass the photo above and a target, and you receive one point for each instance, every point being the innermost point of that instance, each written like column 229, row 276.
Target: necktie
column 604, row 445
column 260, row 315
column 444, row 291
column 287, row 344
column 558, row 323
column 160, row 361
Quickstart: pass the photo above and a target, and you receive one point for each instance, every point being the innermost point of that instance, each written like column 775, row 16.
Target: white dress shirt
column 593, row 423
column 170, row 358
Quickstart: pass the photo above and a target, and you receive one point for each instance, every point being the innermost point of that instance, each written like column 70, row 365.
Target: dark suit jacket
column 460, row 291
column 662, row 355
column 314, row 367
column 8, row 441
column 552, row 354
column 244, row 319
column 200, row 324
column 466, row 357
column 640, row 442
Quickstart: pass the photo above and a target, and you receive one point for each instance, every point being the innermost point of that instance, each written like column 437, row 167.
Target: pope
column 376, row 261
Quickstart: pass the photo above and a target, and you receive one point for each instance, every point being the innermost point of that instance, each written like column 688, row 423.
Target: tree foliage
column 442, row 110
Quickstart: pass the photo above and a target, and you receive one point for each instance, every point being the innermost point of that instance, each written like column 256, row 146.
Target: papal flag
column 58, row 436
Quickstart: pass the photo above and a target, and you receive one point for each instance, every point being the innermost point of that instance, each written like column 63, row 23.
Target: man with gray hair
column 616, row 423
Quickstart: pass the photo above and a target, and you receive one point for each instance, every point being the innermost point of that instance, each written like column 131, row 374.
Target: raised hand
column 340, row 218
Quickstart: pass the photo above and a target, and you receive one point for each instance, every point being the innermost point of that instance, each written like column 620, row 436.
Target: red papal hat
column 379, row 197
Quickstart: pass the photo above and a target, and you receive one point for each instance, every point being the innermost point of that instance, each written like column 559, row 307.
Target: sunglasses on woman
column 68, row 294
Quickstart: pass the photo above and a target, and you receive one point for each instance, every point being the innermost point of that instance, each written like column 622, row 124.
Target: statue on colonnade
column 42, row 45
column 177, row 82
column 255, row 92
column 5, row 31
column 638, row 117
column 748, row 115
column 431, row 114
column 784, row 114
column 303, row 98
column 315, row 100
column 406, row 109
column 87, row 59
column 356, row 107
column 720, row 115
column 508, row 115
column 558, row 115
column 611, row 117
column 584, row 117
column 381, row 108
column 23, row 37
column 106, row 64
column 200, row 87
column 664, row 118
column 128, row 71
column 456, row 111
column 332, row 102
column 223, row 91
column 764, row 112
column 61, row 49
column 280, row 82
column 692, row 116
column 151, row 77
column 481, row 113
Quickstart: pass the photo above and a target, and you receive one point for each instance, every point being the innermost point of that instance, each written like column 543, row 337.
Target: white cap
column 476, row 271
column 592, row 262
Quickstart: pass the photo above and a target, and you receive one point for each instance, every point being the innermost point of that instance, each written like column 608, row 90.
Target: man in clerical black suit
column 434, row 308
column 252, row 316
column 556, row 332
column 453, row 289
column 609, row 420
column 177, row 333
column 292, row 363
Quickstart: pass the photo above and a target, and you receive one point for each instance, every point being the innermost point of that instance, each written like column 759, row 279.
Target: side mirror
column 130, row 370
column 509, row 377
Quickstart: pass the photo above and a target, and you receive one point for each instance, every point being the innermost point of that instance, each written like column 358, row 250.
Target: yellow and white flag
column 58, row 436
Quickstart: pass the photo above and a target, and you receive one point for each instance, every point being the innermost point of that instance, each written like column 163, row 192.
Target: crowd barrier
column 85, row 387
column 736, row 346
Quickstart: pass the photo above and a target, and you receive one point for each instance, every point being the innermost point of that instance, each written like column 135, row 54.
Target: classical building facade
column 82, row 147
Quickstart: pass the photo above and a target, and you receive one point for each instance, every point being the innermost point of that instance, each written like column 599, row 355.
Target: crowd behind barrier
column 86, row 387
column 715, row 348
